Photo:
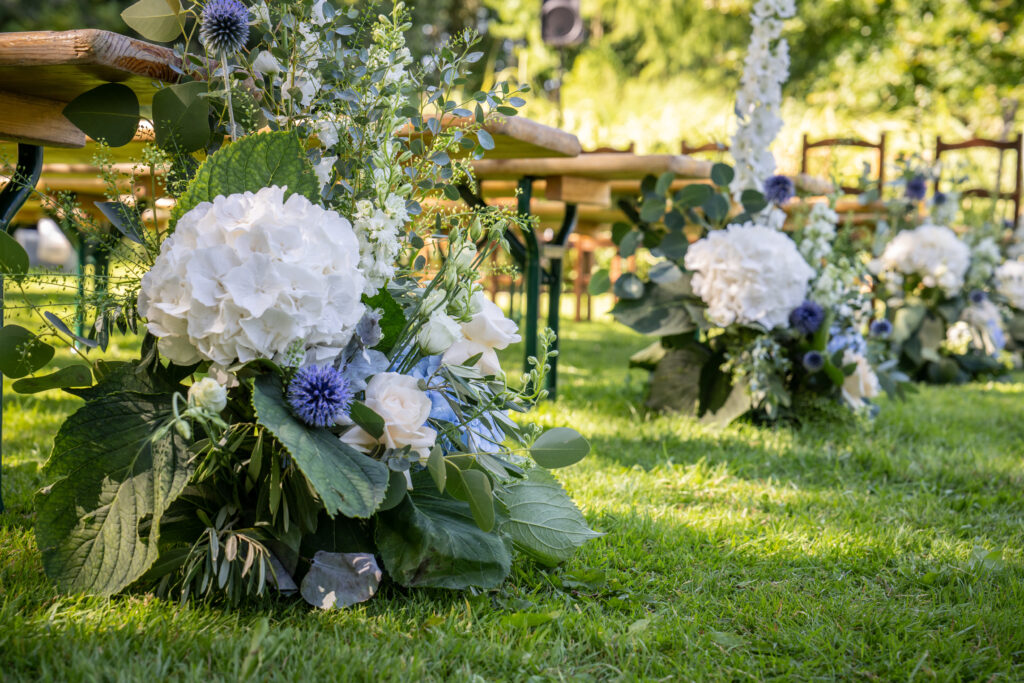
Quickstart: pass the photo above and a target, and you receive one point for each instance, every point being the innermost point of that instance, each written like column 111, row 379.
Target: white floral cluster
column 1010, row 283
column 378, row 229
column 840, row 287
column 932, row 252
column 1016, row 248
column 404, row 408
column 237, row 280
column 299, row 81
column 759, row 100
column 944, row 212
column 985, row 256
column 815, row 239
column 757, row 365
column 748, row 274
column 485, row 331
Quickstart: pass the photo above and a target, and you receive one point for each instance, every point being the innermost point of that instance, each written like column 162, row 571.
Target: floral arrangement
column 759, row 99
column 749, row 319
column 318, row 402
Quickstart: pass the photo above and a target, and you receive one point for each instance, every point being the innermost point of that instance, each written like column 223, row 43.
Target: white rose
column 863, row 383
column 208, row 393
column 461, row 351
column 489, row 326
column 404, row 407
column 438, row 334
column 265, row 63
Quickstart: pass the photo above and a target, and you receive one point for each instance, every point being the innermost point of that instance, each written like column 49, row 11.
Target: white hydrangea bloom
column 815, row 240
column 378, row 230
column 748, row 274
column 1010, row 282
column 985, row 254
column 932, row 252
column 759, row 100
column 240, row 280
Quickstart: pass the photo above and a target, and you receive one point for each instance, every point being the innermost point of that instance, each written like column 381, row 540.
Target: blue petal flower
column 807, row 317
column 225, row 25
column 916, row 188
column 813, row 361
column 779, row 189
column 880, row 328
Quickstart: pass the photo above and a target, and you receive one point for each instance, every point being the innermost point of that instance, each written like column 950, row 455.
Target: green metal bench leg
column 532, row 273
column 555, row 288
column 12, row 198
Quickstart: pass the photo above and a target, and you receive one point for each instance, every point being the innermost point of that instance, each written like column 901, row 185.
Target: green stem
column 227, row 87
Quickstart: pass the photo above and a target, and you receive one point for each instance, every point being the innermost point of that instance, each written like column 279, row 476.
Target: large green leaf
column 108, row 112
column 98, row 525
column 543, row 522
column 392, row 320
column 346, row 480
column 157, row 20
column 22, row 352
column 249, row 165
column 13, row 257
column 181, row 118
column 431, row 540
column 559, row 447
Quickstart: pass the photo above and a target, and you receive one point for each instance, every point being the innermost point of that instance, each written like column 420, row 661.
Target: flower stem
column 227, row 88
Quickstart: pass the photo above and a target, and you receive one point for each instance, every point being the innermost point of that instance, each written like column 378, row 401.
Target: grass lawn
column 892, row 552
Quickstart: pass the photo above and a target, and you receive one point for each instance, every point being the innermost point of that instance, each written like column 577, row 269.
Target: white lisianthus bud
column 464, row 259
column 208, row 394
column 435, row 298
column 266, row 63
column 438, row 334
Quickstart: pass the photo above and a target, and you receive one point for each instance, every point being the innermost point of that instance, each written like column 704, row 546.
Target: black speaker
column 560, row 22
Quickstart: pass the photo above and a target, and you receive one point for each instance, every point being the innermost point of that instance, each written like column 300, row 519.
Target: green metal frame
column 12, row 198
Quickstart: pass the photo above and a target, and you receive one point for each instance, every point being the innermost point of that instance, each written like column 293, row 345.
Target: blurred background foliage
column 655, row 72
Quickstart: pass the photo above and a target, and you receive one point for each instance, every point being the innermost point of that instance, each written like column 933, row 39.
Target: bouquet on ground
column 749, row 320
column 318, row 400
column 936, row 289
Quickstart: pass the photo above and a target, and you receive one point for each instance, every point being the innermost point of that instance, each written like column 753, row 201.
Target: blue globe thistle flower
column 807, row 317
column 779, row 189
column 977, row 296
column 225, row 25
column 880, row 328
column 319, row 395
column 939, row 198
column 813, row 361
column 916, row 188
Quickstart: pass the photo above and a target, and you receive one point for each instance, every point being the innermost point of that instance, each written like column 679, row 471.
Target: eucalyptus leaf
column 629, row 287
column 691, row 196
column 543, row 522
column 21, row 352
column 339, row 580
column 366, row 418
column 13, row 257
column 107, row 112
column 77, row 375
column 600, row 282
column 559, row 447
column 722, row 174
column 181, row 119
column 347, row 481
column 157, row 20
column 112, row 478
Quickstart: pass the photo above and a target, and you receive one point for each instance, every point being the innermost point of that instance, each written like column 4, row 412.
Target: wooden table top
column 516, row 137
column 41, row 71
column 601, row 166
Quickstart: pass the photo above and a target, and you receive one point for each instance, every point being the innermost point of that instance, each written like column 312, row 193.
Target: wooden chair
column 612, row 150
column 847, row 142
column 1001, row 145
column 687, row 149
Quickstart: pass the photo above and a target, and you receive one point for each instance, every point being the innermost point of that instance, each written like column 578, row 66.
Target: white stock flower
column 863, row 383
column 209, row 394
column 748, row 274
column 438, row 334
column 488, row 324
column 377, row 228
column 1010, row 282
column 959, row 338
column 985, row 255
column 266, row 64
column 323, row 170
column 404, row 407
column 815, row 239
column 240, row 280
column 932, row 252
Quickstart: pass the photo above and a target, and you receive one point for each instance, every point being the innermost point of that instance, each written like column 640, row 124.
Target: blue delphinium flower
column 880, row 328
column 850, row 338
column 813, row 361
column 319, row 395
column 779, row 189
column 225, row 25
column 440, row 408
column 939, row 198
column 916, row 188
column 977, row 296
column 807, row 317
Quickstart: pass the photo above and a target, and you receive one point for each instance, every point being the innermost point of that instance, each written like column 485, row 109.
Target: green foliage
column 392, row 320
column 181, row 116
column 559, row 447
column 248, row 165
column 543, row 522
column 77, row 375
column 158, row 20
column 98, row 525
column 13, row 257
column 108, row 112
column 432, row 541
column 21, row 352
column 347, row 481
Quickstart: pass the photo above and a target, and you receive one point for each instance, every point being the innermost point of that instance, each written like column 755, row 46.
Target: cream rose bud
column 404, row 407
column 438, row 334
column 208, row 394
column 435, row 298
column 464, row 259
column 863, row 383
column 463, row 350
column 489, row 326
